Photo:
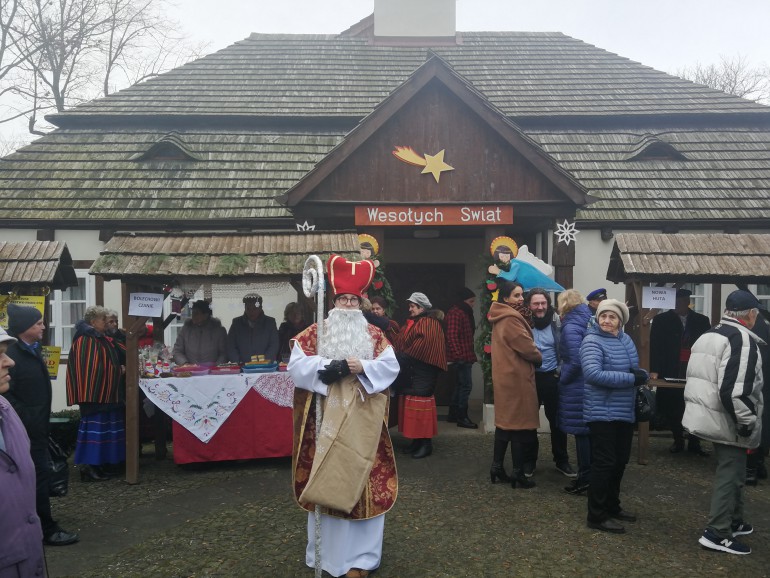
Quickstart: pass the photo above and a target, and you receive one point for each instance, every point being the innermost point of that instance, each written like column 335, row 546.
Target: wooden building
column 510, row 133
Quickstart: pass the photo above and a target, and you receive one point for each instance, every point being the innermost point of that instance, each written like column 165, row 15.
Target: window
column 763, row 295
column 698, row 301
column 67, row 307
column 172, row 331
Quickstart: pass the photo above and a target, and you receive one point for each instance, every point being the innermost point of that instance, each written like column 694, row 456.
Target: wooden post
column 133, row 326
column 563, row 261
column 716, row 303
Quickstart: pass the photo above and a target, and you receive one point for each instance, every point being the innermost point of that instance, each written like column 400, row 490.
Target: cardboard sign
column 51, row 355
column 146, row 304
column 658, row 297
column 433, row 216
column 36, row 301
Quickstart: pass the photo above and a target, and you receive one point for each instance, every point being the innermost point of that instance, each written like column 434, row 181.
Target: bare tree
column 734, row 76
column 138, row 46
column 65, row 52
column 11, row 57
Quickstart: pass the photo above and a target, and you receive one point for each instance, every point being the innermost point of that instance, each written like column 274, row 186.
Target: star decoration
column 566, row 232
column 435, row 164
column 305, row 227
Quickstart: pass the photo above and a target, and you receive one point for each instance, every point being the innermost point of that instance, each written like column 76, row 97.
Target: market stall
column 226, row 417
column 155, row 263
column 640, row 259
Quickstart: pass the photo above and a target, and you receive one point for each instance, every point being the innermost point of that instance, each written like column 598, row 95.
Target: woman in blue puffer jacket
column 575, row 316
column 611, row 371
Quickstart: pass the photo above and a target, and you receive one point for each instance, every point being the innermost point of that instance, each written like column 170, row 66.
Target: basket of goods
column 190, row 370
column 225, row 369
column 259, row 364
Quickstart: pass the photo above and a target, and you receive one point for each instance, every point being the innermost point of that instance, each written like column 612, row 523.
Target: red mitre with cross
column 351, row 277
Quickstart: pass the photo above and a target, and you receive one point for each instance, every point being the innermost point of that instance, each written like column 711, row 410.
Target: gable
column 486, row 167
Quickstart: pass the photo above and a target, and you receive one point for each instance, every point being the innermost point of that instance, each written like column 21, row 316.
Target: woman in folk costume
column 94, row 369
column 349, row 471
column 514, row 358
column 422, row 355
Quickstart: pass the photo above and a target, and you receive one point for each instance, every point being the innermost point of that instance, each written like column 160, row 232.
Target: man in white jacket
column 723, row 404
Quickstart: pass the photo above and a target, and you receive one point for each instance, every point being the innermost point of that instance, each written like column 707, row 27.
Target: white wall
column 18, row 235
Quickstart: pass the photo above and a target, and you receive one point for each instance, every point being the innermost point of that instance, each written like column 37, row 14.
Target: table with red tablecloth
column 232, row 417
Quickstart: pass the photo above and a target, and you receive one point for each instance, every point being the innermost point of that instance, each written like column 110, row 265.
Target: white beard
column 346, row 334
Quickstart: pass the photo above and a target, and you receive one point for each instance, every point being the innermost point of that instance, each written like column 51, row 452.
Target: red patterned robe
column 351, row 540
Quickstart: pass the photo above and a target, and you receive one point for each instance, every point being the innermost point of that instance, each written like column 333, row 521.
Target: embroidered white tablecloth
column 202, row 404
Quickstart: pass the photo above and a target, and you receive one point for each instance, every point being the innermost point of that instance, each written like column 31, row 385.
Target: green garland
column 380, row 287
column 484, row 335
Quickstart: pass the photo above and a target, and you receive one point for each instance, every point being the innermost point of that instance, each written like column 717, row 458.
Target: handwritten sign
column 36, row 301
column 146, row 304
column 433, row 216
column 51, row 355
column 658, row 297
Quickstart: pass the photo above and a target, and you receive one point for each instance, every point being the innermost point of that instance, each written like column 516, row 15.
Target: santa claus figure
column 348, row 468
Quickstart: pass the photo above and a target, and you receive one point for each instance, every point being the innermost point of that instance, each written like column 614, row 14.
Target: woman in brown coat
column 514, row 358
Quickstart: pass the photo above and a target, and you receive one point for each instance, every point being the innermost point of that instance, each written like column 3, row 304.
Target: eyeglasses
column 348, row 300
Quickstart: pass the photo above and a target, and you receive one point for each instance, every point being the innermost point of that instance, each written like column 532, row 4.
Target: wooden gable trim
column 436, row 68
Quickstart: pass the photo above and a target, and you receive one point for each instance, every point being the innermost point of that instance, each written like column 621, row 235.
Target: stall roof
column 694, row 258
column 36, row 263
column 165, row 256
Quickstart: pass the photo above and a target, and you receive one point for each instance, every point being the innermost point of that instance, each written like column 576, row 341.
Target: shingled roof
column 711, row 258
column 88, row 174
column 250, row 121
column 36, row 263
column 523, row 74
column 168, row 256
column 725, row 174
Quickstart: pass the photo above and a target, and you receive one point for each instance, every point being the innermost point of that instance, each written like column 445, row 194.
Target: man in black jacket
column 671, row 338
column 30, row 395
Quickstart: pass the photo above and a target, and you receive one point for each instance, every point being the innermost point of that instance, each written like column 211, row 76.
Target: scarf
column 545, row 321
column 525, row 312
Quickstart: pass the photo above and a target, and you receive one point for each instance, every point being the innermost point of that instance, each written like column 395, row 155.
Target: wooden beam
column 716, row 303
column 133, row 326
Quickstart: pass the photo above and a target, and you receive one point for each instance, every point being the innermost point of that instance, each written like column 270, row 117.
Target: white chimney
column 415, row 18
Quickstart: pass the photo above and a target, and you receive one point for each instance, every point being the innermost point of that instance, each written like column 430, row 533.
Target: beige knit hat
column 617, row 307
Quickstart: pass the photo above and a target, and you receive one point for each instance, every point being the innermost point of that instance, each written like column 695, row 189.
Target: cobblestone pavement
column 240, row 520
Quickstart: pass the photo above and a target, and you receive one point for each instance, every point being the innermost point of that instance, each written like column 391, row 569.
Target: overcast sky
column 664, row 34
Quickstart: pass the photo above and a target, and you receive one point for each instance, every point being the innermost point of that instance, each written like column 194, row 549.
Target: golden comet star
column 434, row 164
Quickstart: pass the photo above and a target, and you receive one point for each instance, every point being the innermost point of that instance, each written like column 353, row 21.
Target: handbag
column 59, row 472
column 645, row 403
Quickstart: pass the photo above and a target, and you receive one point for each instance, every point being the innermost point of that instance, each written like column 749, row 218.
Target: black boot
column 519, row 479
column 91, row 474
column 412, row 447
column 463, row 420
column 452, row 415
column 425, row 449
column 497, row 471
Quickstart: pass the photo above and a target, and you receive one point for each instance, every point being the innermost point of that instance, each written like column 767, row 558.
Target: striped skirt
column 417, row 416
column 102, row 438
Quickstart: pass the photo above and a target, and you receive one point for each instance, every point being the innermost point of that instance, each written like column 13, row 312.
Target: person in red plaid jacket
column 460, row 326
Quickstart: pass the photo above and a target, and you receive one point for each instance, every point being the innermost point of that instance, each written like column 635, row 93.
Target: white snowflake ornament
column 566, row 232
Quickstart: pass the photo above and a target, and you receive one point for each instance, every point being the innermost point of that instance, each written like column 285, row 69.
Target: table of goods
column 228, row 416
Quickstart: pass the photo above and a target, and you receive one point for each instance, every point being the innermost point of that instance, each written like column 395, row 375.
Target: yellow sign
column 51, row 355
column 37, row 301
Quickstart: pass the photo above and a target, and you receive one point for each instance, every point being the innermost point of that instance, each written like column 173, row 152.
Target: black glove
column 744, row 431
column 640, row 376
column 334, row 371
